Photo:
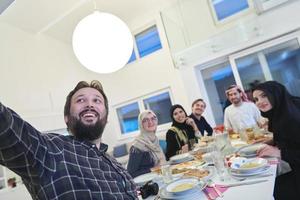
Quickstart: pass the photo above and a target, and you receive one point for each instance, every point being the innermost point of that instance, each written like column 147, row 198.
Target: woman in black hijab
column 283, row 111
column 181, row 136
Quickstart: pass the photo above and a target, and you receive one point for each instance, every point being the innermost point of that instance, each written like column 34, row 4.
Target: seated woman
column 283, row 112
column 145, row 152
column 181, row 136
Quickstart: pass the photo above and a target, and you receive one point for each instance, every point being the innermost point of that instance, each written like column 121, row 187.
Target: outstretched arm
column 23, row 149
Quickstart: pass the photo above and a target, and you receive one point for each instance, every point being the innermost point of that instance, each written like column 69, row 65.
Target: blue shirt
column 60, row 167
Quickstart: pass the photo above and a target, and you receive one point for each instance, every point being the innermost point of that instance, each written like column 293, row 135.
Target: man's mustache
column 89, row 110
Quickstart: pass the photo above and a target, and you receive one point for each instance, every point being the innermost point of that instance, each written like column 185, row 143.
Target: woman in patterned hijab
column 145, row 152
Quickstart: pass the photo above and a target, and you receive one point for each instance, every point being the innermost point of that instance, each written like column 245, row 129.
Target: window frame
column 139, row 31
column 232, row 17
column 140, row 101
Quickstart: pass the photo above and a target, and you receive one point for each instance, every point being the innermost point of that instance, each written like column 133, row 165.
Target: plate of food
column 248, row 165
column 250, row 150
column 238, row 144
column 184, row 186
column 181, row 158
column 250, row 173
column 201, row 173
column 207, row 139
column 188, row 164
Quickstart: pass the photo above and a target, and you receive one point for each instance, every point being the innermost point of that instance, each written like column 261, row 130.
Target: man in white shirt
column 241, row 113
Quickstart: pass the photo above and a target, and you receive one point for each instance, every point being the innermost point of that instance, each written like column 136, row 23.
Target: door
column 277, row 60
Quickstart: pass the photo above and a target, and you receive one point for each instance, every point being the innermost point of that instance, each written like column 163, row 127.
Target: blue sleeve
column 136, row 165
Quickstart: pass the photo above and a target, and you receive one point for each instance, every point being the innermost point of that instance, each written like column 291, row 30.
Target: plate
column 251, row 149
column 248, row 155
column 185, row 159
column 144, row 178
column 194, row 173
column 198, row 194
column 180, row 157
column 238, row 144
column 248, row 165
column 203, row 149
column 184, row 186
column 247, row 174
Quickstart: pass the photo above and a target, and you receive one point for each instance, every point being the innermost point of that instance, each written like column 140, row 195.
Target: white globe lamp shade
column 102, row 42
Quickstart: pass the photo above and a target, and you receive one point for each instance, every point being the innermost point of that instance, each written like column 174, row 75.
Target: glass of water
column 166, row 172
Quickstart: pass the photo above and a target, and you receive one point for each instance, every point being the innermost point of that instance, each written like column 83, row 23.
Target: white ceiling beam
column 60, row 17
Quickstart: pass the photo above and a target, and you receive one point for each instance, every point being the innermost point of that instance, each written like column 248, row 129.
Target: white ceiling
column 58, row 18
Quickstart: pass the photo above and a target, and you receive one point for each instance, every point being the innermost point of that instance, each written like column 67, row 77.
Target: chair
column 120, row 150
column 163, row 145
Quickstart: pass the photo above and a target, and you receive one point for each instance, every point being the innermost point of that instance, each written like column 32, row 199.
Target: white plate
column 142, row 179
column 189, row 158
column 193, row 182
column 248, row 155
column 180, row 157
column 203, row 149
column 247, row 174
column 240, row 165
column 198, row 194
column 251, row 149
column 237, row 144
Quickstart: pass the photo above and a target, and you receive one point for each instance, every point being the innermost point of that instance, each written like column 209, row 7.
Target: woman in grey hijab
column 145, row 153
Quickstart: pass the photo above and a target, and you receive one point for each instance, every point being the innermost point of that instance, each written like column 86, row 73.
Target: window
column 223, row 9
column 148, row 41
column 160, row 103
column 128, row 117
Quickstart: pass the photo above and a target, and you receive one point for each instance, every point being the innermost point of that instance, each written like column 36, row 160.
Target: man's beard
column 86, row 132
column 236, row 101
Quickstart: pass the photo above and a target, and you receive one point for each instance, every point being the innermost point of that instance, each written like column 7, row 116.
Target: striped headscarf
column 244, row 96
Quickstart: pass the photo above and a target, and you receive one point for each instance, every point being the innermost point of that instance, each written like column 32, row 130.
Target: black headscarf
column 284, row 117
column 174, row 122
column 183, row 126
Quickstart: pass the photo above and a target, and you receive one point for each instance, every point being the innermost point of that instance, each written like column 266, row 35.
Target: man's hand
column 191, row 122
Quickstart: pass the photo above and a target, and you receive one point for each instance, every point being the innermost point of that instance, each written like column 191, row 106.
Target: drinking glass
column 250, row 135
column 220, row 166
column 223, row 143
column 166, row 172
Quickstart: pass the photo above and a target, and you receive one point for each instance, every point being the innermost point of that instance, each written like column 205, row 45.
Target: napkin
column 211, row 193
column 273, row 161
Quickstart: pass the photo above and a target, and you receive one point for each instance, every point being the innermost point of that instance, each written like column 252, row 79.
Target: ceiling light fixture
column 102, row 42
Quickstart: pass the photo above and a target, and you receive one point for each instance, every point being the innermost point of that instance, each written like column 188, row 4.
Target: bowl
column 184, row 186
column 249, row 165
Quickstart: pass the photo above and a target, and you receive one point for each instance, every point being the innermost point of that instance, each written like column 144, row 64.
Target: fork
column 210, row 183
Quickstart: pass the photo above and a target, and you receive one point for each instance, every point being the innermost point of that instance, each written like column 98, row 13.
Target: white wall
column 40, row 71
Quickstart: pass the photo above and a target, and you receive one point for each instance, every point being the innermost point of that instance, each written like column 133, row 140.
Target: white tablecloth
column 259, row 191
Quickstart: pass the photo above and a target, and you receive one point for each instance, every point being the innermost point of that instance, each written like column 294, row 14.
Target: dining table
column 258, row 187
column 243, row 191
